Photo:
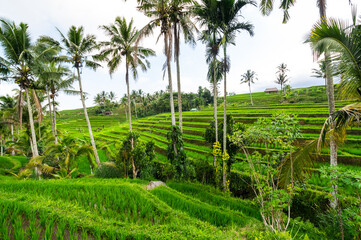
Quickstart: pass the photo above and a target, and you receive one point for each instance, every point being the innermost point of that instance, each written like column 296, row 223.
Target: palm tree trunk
column 21, row 109
column 32, row 128
column 12, row 137
column 54, row 119
column 135, row 108
column 250, row 93
column 51, row 115
column 87, row 120
column 167, row 52
column 331, row 105
column 128, row 93
column 177, row 46
column 1, row 146
column 215, row 94
column 225, row 114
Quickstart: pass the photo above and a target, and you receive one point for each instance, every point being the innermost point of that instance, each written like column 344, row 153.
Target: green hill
column 311, row 109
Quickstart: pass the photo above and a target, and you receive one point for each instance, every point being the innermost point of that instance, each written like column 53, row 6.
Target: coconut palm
column 230, row 10
column 122, row 45
column 180, row 15
column 54, row 78
column 249, row 77
column 320, row 72
column 282, row 77
column 266, row 7
column 79, row 48
column 19, row 63
column 159, row 11
column 337, row 38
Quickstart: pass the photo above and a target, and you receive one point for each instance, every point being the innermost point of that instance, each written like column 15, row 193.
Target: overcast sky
column 273, row 43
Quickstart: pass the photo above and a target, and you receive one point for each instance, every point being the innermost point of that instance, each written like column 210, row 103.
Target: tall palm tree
column 249, row 77
column 181, row 19
column 230, row 10
column 159, row 11
column 122, row 44
column 266, row 7
column 320, row 72
column 8, row 108
column 207, row 15
column 281, row 75
column 79, row 48
column 19, row 63
column 55, row 78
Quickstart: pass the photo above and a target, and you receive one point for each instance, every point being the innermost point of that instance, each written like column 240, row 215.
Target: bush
column 164, row 171
column 107, row 170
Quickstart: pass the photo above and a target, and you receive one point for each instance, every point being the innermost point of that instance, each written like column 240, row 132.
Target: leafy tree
column 249, row 77
column 272, row 200
column 232, row 149
column 123, row 45
column 176, row 154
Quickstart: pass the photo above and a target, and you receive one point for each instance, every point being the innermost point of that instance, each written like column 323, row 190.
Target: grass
column 111, row 209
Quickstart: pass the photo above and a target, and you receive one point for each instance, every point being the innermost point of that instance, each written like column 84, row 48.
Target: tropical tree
column 320, row 72
column 159, row 11
column 266, row 7
column 8, row 108
column 230, row 10
column 123, row 44
column 207, row 15
column 249, row 77
column 54, row 78
column 180, row 15
column 19, row 63
column 344, row 42
column 79, row 48
column 282, row 77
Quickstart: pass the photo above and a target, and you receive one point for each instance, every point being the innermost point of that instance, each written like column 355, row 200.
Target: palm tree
column 159, row 11
column 181, row 19
column 266, row 7
column 55, row 78
column 249, row 77
column 281, row 75
column 19, row 63
column 78, row 48
column 8, row 108
column 122, row 44
column 207, row 15
column 320, row 72
column 230, row 11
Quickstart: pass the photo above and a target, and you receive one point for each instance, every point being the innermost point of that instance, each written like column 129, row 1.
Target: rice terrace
column 180, row 119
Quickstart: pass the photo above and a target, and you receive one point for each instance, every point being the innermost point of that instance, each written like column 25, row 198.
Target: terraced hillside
column 311, row 117
column 120, row 209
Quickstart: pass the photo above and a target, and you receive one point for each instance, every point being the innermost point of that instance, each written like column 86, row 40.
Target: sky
column 272, row 44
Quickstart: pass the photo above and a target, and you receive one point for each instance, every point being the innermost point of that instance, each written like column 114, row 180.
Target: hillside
column 311, row 110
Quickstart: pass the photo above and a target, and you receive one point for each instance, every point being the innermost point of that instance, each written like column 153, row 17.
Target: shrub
column 107, row 170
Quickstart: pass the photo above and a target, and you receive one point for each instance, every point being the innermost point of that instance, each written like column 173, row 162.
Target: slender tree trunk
column 331, row 107
column 177, row 50
column 88, row 122
column 135, row 108
column 12, row 137
column 32, row 128
column 39, row 123
column 128, row 93
column 51, row 115
column 31, row 145
column 250, row 93
column 1, row 146
column 167, row 45
column 225, row 115
column 215, row 94
column 21, row 109
column 54, row 119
